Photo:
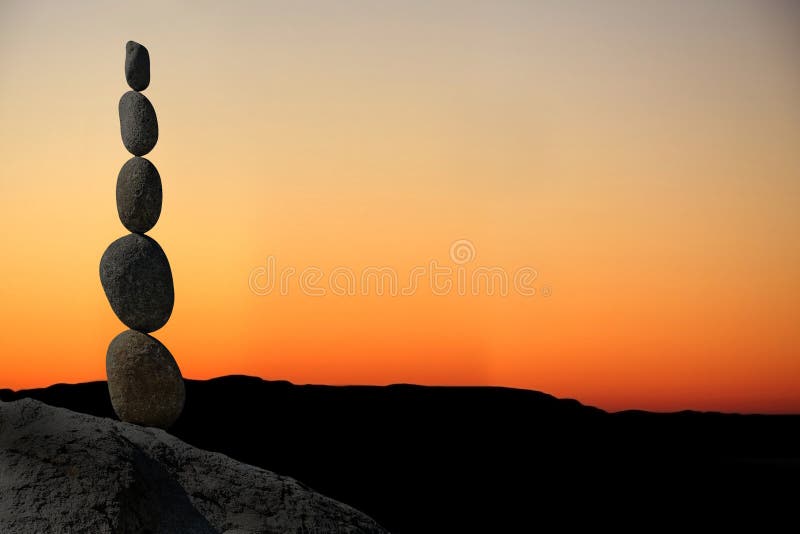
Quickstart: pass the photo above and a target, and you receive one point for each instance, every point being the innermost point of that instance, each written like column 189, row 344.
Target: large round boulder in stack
column 138, row 195
column 138, row 123
column 137, row 280
column 144, row 381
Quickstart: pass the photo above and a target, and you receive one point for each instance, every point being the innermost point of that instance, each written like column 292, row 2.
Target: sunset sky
column 642, row 156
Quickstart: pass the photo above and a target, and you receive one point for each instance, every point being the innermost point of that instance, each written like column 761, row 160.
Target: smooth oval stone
column 138, row 123
column 137, row 66
column 138, row 195
column 137, row 280
column 144, row 381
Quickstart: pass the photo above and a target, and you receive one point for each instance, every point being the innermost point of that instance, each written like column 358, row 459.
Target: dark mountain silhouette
column 487, row 459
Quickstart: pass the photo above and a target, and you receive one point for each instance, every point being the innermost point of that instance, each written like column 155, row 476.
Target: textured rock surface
column 66, row 472
column 138, row 123
column 139, row 195
column 137, row 280
column 144, row 382
column 137, row 66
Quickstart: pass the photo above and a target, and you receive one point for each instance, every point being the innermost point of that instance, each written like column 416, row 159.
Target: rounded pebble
column 138, row 123
column 137, row 280
column 144, row 381
column 137, row 66
column 138, row 195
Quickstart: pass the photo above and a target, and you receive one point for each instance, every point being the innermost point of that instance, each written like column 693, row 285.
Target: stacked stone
column 144, row 381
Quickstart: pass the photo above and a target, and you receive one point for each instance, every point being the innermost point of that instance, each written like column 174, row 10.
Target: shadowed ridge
column 234, row 378
column 527, row 395
column 685, row 413
column 88, row 397
column 241, row 380
column 492, row 459
column 66, row 393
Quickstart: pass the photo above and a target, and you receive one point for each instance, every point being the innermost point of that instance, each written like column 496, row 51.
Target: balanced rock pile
column 144, row 381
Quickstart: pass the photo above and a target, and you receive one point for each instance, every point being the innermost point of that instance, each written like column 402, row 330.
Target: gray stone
column 138, row 123
column 66, row 472
column 138, row 195
column 144, row 382
column 137, row 281
column 137, row 66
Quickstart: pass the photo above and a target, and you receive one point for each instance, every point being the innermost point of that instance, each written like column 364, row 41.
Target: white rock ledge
column 61, row 471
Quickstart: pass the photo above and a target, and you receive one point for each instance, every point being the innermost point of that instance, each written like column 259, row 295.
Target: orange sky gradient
column 643, row 157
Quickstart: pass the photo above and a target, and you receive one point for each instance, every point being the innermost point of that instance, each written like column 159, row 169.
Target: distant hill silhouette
column 487, row 459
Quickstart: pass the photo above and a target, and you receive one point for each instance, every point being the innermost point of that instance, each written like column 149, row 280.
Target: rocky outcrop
column 66, row 472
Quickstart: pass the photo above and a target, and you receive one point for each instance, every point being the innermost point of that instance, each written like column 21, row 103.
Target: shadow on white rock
column 66, row 472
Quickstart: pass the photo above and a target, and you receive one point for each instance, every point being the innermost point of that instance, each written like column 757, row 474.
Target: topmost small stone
column 137, row 66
